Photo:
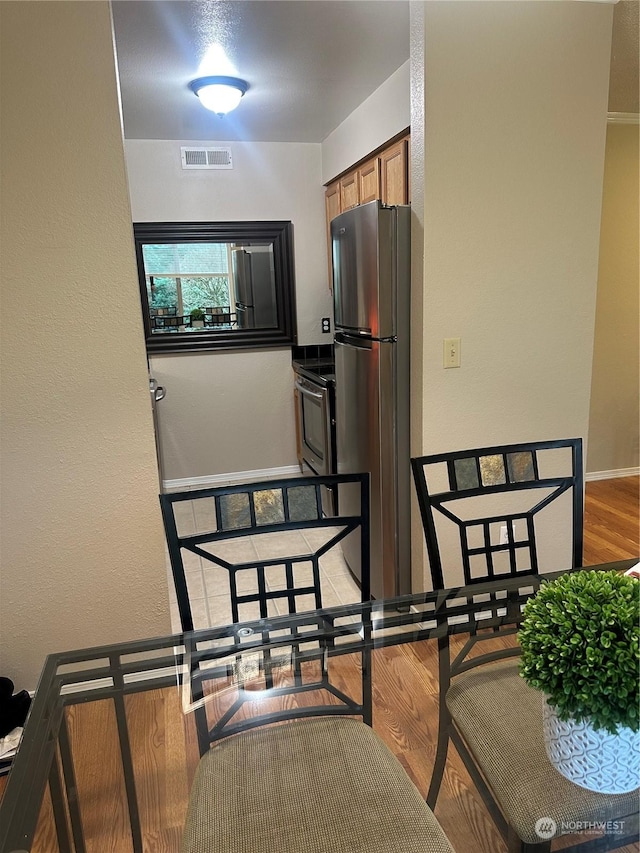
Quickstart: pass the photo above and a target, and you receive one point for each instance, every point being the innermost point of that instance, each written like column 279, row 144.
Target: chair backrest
column 273, row 672
column 208, row 523
column 218, row 316
column 163, row 311
column 169, row 323
column 495, row 501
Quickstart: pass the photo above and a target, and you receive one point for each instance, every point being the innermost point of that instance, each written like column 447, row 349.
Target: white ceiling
column 308, row 63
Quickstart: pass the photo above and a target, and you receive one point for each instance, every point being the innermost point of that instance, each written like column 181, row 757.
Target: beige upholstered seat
column 500, row 718
column 321, row 785
column 490, row 509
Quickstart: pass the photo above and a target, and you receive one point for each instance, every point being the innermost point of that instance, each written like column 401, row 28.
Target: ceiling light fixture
column 219, row 94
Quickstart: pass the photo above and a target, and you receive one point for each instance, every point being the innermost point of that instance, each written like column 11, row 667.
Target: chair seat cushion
column 500, row 719
column 321, row 785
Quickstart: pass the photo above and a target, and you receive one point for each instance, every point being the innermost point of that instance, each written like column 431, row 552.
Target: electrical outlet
column 326, row 324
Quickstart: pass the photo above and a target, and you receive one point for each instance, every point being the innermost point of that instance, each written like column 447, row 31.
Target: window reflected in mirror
column 194, row 286
column 202, row 291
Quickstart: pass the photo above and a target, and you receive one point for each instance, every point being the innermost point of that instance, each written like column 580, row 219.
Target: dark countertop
column 319, row 370
column 313, row 363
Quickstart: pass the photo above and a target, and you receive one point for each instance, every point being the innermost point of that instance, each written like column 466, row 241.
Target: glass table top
column 111, row 742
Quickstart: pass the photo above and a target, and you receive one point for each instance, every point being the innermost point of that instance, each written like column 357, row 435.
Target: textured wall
column 82, row 559
column 417, row 43
column 233, row 411
column 385, row 113
column 225, row 412
column 269, row 181
column 614, row 417
column 515, row 121
column 516, row 99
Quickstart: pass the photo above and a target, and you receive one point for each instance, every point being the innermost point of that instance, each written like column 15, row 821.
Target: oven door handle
column 305, row 388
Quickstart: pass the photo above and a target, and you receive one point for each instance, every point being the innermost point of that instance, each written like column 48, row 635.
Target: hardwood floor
column 611, row 526
column 405, row 715
column 165, row 755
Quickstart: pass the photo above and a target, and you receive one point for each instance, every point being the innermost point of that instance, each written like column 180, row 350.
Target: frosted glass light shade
column 219, row 94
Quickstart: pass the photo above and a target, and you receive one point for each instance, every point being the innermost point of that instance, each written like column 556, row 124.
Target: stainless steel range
column 314, row 392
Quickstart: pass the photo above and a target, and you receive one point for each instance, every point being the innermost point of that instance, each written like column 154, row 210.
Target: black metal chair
column 163, row 311
column 319, row 780
column 219, row 317
column 169, row 323
column 227, row 513
column 285, row 766
column 487, row 513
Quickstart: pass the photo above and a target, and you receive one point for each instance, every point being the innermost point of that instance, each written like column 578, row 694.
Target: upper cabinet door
column 394, row 168
column 349, row 191
column 384, row 176
column 332, row 200
column 369, row 180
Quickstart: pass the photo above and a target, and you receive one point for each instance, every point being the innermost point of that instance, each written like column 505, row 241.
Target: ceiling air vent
column 206, row 158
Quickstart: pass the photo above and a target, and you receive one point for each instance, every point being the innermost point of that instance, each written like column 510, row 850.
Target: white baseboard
column 131, row 678
column 610, row 475
column 294, row 471
column 231, row 478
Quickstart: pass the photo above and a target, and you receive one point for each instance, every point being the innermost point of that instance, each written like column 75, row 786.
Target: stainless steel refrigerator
column 254, row 288
column 371, row 281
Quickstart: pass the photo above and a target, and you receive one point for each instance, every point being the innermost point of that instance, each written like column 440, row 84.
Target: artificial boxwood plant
column 580, row 639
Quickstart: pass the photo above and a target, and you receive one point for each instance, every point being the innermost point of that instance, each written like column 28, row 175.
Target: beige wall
column 231, row 412
column 381, row 116
column 82, row 560
column 416, row 166
column 269, row 181
column 614, row 418
column 226, row 413
column 515, row 119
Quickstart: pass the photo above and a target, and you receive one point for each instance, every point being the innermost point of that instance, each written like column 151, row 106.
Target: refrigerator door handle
column 359, row 338
column 355, row 336
column 358, row 333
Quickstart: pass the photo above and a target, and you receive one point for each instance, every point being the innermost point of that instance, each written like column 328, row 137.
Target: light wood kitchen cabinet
column 369, row 180
column 332, row 200
column 394, row 170
column 349, row 191
column 384, row 176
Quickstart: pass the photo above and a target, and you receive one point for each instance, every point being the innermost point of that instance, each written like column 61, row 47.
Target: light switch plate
column 451, row 352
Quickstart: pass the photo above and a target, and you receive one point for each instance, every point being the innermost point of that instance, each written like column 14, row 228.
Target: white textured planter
column 593, row 759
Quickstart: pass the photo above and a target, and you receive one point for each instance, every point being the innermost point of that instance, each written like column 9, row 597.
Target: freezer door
column 367, row 440
column 363, row 252
column 241, row 268
column 263, row 289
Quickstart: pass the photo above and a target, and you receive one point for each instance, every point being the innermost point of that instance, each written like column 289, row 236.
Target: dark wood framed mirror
column 216, row 285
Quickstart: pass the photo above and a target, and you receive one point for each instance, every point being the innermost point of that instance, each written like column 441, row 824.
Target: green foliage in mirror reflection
column 240, row 274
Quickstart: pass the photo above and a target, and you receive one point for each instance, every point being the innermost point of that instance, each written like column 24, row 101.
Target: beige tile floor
column 209, row 584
